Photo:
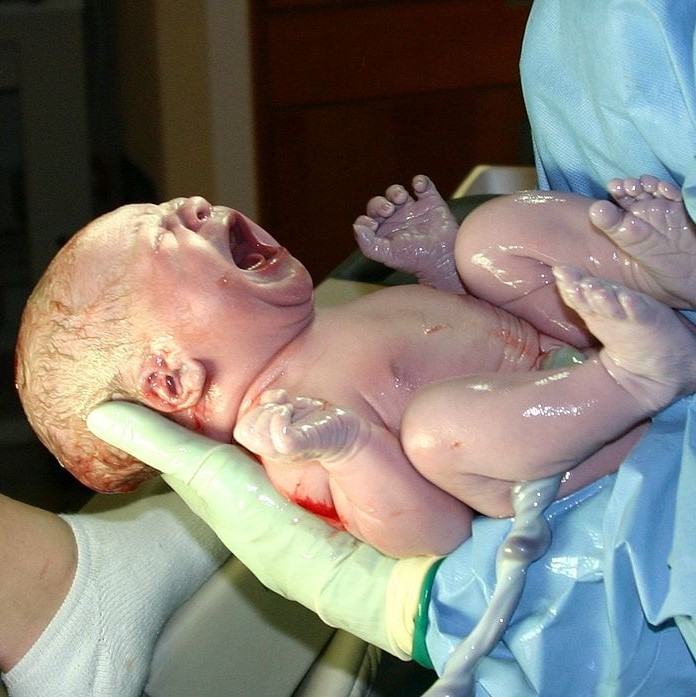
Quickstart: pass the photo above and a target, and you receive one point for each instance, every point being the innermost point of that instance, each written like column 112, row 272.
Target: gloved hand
column 346, row 582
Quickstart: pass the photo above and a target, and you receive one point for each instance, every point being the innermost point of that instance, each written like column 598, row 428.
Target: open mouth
column 248, row 253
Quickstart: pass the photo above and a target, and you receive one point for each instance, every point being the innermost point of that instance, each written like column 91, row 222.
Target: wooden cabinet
column 353, row 96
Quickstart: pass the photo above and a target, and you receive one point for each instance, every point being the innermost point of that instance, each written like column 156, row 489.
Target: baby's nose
column 194, row 212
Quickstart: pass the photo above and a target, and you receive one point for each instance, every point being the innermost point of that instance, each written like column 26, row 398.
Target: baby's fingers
column 277, row 396
column 256, row 430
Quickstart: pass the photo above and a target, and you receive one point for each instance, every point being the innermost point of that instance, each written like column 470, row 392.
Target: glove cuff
column 409, row 583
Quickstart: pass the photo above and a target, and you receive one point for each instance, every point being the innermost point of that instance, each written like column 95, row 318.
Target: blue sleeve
column 608, row 599
column 610, row 92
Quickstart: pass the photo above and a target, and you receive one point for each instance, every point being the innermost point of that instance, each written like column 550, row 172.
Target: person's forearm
column 38, row 557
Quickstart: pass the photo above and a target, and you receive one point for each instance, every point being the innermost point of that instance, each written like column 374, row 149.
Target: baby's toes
column 658, row 188
column 615, row 188
column 625, row 191
column 669, row 191
column 649, row 184
column 621, row 189
column 587, row 294
column 568, row 284
column 632, row 187
column 605, row 215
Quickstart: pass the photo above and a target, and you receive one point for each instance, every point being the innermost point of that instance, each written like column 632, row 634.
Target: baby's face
column 200, row 286
column 190, row 263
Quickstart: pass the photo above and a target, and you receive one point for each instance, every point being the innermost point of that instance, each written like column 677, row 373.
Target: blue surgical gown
column 610, row 91
column 609, row 610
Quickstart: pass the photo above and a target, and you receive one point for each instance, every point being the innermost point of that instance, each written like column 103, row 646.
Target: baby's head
column 77, row 334
column 141, row 305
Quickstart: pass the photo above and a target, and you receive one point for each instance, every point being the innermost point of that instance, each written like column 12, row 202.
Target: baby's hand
column 410, row 234
column 300, row 429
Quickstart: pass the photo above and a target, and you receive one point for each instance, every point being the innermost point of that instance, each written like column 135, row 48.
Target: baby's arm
column 378, row 495
column 415, row 235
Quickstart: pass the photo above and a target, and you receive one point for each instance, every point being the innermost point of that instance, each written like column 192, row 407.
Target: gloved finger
column 151, row 438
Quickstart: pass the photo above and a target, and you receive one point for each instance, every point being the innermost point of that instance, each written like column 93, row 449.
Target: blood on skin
column 198, row 424
column 326, row 511
column 321, row 509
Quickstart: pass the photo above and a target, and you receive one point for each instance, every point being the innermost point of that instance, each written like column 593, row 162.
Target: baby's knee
column 417, row 438
column 432, row 440
column 444, row 454
column 482, row 227
column 489, row 242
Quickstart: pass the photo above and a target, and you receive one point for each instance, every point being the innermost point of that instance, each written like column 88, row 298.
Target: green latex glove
column 346, row 582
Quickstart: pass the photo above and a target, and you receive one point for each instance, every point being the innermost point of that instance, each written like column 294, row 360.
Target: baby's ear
column 170, row 381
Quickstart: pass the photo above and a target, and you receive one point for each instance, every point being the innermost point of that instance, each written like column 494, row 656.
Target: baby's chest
column 375, row 368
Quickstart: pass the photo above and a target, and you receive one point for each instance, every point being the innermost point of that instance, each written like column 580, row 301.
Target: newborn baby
column 395, row 416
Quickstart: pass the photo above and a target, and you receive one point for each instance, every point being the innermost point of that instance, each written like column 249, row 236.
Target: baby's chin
column 109, row 480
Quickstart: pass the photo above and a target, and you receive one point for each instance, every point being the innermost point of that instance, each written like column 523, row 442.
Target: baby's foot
column 647, row 347
column 650, row 224
column 415, row 235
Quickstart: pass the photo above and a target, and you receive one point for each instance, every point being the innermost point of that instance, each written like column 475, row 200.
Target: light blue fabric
column 611, row 92
column 596, row 616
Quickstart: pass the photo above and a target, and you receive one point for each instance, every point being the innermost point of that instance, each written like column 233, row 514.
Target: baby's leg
column 650, row 224
column 415, row 235
column 507, row 247
column 472, row 436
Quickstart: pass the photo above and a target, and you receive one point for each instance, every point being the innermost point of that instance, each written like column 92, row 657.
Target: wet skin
column 224, row 314
column 226, row 317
